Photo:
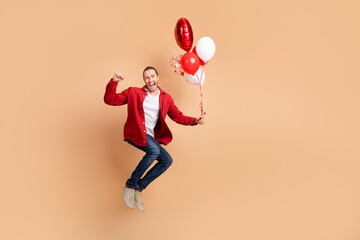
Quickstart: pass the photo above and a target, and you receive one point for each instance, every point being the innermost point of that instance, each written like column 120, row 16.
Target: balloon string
column 201, row 103
column 203, row 112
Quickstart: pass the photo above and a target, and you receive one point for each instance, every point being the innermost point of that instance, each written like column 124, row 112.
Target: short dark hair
column 149, row 68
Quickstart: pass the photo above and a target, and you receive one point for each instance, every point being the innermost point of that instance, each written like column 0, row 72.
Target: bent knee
column 154, row 152
column 168, row 161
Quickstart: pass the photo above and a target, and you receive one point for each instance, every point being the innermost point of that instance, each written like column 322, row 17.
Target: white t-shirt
column 151, row 109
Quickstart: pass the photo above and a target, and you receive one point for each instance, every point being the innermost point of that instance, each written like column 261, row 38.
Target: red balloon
column 190, row 63
column 202, row 63
column 184, row 34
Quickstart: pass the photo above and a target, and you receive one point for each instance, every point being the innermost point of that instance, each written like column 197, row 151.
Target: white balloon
column 197, row 78
column 205, row 48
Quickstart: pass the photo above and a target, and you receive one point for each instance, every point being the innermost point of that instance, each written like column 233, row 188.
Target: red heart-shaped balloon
column 184, row 34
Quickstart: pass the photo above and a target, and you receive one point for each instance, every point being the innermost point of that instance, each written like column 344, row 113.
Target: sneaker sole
column 139, row 207
column 127, row 204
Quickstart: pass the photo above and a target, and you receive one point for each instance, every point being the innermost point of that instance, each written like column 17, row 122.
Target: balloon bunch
column 192, row 64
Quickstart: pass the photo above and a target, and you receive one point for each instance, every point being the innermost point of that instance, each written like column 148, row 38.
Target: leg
column 164, row 162
column 152, row 152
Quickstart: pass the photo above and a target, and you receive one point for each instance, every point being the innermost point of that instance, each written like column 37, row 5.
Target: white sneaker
column 138, row 202
column 129, row 197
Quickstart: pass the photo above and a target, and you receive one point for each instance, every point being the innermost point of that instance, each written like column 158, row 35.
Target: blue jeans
column 154, row 151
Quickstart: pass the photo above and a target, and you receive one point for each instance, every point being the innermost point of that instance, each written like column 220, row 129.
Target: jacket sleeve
column 113, row 98
column 176, row 115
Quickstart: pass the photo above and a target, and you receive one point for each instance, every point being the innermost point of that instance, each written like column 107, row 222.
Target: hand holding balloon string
column 200, row 120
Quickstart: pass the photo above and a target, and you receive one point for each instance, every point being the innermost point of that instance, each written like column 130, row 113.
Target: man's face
column 151, row 80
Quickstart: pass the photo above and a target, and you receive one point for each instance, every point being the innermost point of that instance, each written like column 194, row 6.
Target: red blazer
column 134, row 129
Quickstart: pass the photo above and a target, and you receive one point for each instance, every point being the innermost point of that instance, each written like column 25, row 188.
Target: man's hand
column 118, row 76
column 200, row 120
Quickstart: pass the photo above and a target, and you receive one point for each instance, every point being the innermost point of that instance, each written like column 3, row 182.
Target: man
column 146, row 129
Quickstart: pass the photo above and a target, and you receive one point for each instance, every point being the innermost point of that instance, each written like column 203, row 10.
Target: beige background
column 278, row 157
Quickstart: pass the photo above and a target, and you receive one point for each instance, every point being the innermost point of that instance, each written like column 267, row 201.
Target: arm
column 176, row 115
column 113, row 98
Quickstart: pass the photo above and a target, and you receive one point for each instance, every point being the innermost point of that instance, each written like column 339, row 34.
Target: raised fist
column 118, row 76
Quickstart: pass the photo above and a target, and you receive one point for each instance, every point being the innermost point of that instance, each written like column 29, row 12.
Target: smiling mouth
column 152, row 85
